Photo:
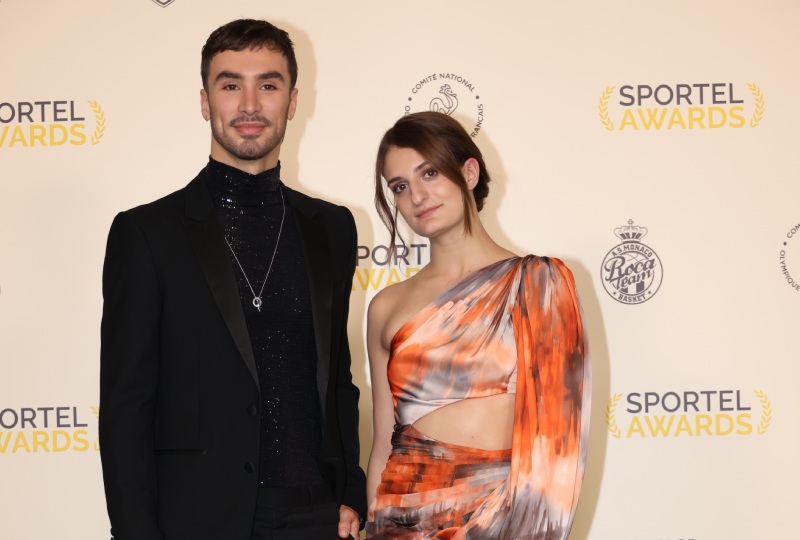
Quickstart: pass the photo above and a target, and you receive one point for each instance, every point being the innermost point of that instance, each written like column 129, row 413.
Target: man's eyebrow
column 269, row 75
column 227, row 75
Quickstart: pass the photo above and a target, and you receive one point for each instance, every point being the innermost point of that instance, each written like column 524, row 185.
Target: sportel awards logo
column 27, row 124
column 784, row 257
column 631, row 272
column 691, row 413
column 703, row 413
column 643, row 107
column 447, row 93
column 33, row 430
column 389, row 267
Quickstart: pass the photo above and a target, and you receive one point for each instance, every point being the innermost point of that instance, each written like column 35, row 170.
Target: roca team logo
column 631, row 272
column 789, row 257
column 451, row 94
column 51, row 123
column 647, row 107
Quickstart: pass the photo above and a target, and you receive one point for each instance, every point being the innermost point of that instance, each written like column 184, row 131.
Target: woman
column 480, row 377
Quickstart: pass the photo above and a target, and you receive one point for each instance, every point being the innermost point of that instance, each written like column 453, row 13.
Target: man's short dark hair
column 248, row 34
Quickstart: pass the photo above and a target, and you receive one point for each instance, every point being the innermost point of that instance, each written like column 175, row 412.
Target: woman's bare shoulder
column 387, row 300
column 389, row 308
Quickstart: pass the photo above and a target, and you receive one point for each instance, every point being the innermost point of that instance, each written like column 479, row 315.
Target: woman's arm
column 383, row 407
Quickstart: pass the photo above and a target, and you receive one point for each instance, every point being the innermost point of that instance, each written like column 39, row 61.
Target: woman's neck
column 458, row 254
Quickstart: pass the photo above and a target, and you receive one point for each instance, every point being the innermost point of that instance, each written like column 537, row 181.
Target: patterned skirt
column 430, row 489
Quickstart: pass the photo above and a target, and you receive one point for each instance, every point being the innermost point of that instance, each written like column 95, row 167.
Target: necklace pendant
column 257, row 303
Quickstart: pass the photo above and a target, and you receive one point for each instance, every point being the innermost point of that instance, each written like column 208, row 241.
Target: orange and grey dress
column 512, row 327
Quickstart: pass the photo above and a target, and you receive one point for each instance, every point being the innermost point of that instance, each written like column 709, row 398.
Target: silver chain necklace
column 257, row 297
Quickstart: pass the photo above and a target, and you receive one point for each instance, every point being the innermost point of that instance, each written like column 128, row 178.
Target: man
column 227, row 409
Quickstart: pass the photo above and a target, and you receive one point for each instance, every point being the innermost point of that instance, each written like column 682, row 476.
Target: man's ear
column 292, row 104
column 204, row 108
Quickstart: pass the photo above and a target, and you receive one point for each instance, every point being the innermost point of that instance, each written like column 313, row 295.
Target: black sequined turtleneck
column 250, row 209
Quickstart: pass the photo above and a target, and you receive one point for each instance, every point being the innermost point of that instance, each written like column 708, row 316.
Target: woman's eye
column 429, row 173
column 398, row 188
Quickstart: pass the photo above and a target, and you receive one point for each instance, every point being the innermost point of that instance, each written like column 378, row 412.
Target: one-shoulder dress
column 514, row 326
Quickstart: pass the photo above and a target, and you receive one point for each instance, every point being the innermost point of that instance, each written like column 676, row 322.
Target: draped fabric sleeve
column 552, row 407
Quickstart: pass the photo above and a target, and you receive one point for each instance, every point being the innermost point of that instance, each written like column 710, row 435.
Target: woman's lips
column 427, row 212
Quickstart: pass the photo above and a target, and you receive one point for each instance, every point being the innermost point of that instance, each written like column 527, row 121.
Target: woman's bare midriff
column 484, row 423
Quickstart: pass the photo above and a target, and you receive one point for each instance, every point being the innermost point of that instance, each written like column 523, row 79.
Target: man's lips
column 249, row 128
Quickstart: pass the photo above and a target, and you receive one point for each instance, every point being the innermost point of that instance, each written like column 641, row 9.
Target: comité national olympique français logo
column 789, row 257
column 451, row 94
column 52, row 123
column 631, row 272
column 646, row 107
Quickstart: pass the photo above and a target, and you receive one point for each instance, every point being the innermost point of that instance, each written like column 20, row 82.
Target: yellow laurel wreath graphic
column 96, row 411
column 611, row 422
column 766, row 412
column 759, row 111
column 602, row 108
column 99, row 122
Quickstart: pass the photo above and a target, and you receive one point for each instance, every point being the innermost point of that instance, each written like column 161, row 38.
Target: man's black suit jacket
column 179, row 396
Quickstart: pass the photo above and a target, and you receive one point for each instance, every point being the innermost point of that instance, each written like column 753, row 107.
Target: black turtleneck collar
column 231, row 186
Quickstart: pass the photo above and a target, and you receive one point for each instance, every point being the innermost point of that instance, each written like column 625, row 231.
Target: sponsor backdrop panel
column 652, row 148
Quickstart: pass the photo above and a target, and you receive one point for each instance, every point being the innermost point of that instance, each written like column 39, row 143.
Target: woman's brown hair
column 446, row 146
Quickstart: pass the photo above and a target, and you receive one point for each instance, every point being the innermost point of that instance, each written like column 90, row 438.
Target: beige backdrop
column 681, row 117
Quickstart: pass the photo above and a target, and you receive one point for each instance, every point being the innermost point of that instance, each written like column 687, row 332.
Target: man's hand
column 348, row 522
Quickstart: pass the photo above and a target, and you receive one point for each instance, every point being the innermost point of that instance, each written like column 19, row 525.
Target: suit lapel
column 207, row 239
column 318, row 263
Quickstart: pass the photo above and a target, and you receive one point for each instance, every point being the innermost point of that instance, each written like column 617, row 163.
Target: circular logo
column 787, row 257
column 451, row 94
column 631, row 272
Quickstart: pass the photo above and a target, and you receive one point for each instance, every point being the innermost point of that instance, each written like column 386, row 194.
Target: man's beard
column 248, row 148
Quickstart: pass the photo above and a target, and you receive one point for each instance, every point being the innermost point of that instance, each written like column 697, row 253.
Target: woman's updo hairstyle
column 444, row 143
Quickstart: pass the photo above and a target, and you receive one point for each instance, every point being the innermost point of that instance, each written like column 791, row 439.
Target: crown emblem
column 630, row 232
